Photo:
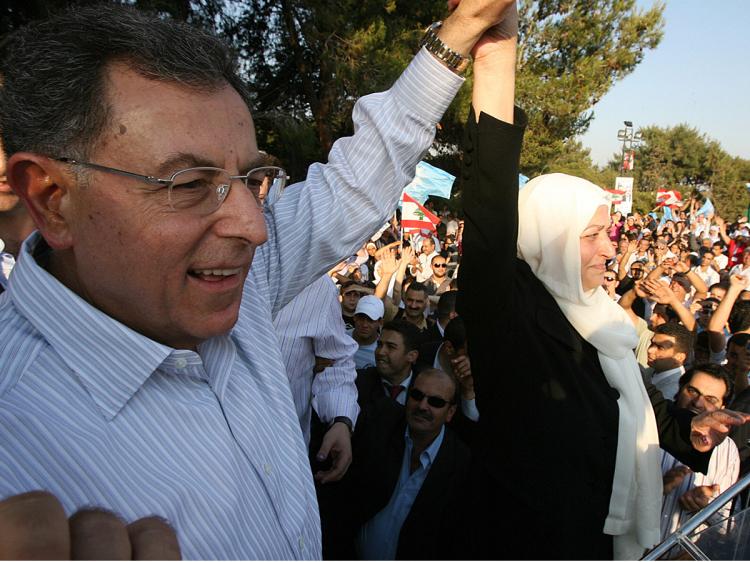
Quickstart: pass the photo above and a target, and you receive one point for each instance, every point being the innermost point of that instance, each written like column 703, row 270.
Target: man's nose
column 241, row 216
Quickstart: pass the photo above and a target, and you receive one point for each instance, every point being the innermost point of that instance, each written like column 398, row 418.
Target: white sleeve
column 342, row 203
column 333, row 390
column 469, row 409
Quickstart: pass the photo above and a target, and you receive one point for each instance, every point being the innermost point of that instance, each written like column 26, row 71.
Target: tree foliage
column 307, row 62
column 682, row 158
column 570, row 55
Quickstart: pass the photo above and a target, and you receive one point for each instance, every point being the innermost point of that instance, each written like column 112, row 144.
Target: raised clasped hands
column 499, row 22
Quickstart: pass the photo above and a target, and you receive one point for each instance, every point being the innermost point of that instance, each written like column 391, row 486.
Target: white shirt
column 311, row 325
column 99, row 414
column 739, row 269
column 7, row 261
column 723, row 469
column 426, row 272
column 722, row 261
column 710, row 276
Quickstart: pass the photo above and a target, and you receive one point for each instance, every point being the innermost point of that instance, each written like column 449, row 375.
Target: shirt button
column 180, row 363
column 267, row 469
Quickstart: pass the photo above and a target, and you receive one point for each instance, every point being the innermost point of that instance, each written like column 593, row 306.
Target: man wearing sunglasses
column 140, row 368
column 439, row 282
column 403, row 497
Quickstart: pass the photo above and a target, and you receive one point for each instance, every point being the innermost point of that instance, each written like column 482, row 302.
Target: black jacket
column 547, row 435
column 430, row 528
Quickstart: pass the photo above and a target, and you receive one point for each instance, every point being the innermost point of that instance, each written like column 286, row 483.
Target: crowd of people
column 180, row 352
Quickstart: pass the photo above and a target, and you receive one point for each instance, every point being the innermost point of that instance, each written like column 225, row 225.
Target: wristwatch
column 450, row 58
column 346, row 421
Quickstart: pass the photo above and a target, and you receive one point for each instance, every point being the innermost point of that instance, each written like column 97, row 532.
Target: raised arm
column 662, row 294
column 491, row 155
column 720, row 317
column 622, row 263
column 357, row 190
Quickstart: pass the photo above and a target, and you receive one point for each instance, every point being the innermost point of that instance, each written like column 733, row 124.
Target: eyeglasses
column 694, row 393
column 434, row 401
column 434, row 265
column 202, row 190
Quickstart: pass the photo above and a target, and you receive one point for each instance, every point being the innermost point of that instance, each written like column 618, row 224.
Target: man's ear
column 451, row 412
column 681, row 356
column 43, row 187
column 412, row 356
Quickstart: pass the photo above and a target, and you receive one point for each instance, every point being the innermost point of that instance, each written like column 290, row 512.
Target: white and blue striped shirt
column 100, row 415
column 311, row 325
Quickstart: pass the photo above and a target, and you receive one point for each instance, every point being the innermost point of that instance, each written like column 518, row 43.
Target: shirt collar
column 428, row 456
column 658, row 377
column 110, row 360
column 406, row 383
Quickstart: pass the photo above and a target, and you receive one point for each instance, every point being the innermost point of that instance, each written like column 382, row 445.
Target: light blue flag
column 707, row 208
column 430, row 180
column 667, row 216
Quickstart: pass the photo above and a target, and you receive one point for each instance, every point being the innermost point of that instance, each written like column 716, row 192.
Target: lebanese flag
column 415, row 217
column 615, row 196
column 668, row 198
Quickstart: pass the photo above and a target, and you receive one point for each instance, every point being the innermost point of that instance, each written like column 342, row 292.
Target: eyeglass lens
column 203, row 190
column 434, row 401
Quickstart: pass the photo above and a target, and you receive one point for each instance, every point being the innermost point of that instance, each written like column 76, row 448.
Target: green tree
column 307, row 61
column 570, row 55
column 682, row 158
column 312, row 59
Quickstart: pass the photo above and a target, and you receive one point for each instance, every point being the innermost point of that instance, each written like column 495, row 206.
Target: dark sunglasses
column 439, row 265
column 434, row 401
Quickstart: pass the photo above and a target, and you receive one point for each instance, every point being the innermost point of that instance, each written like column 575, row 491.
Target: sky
column 699, row 75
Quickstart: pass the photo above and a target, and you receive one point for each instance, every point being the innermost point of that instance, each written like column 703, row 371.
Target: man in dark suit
column 395, row 356
column 446, row 311
column 403, row 497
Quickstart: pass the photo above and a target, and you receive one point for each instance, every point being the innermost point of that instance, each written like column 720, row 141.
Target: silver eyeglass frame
column 222, row 191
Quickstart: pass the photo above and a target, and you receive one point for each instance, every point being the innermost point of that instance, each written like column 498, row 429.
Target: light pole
column 630, row 141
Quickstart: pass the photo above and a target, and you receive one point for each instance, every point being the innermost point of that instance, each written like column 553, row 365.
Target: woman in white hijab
column 568, row 437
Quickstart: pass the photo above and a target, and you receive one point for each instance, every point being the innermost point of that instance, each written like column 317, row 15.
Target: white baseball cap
column 371, row 306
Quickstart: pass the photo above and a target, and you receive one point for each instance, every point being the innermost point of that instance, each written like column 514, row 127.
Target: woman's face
column 596, row 249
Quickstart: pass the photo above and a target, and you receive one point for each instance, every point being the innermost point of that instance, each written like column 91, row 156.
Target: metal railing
column 681, row 536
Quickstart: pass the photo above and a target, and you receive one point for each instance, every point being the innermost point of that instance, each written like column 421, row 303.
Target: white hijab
column 553, row 212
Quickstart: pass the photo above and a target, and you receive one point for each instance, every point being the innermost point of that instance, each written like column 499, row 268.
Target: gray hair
column 53, row 100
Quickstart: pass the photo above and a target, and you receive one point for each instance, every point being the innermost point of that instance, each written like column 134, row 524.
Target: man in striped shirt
column 140, row 367
column 703, row 388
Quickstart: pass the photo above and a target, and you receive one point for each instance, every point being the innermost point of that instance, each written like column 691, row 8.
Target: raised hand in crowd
column 387, row 265
column 462, row 369
column 661, row 293
column 710, row 428
column 33, row 526
column 720, row 318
